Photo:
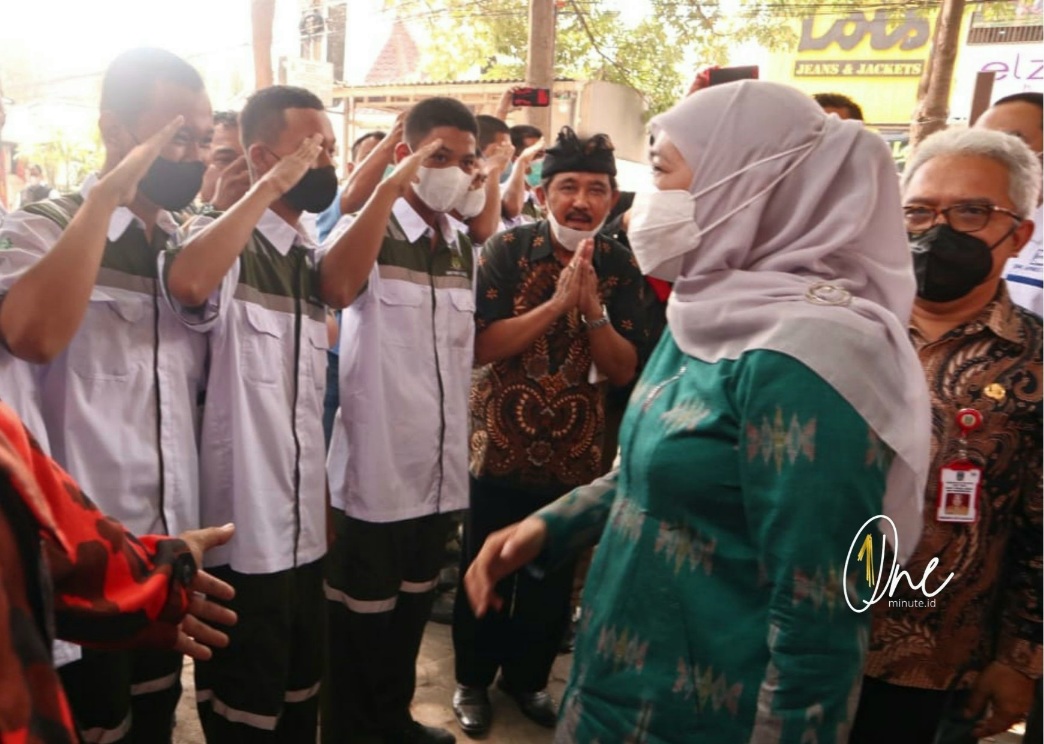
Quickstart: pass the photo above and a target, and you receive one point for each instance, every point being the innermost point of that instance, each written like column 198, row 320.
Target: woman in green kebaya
column 782, row 410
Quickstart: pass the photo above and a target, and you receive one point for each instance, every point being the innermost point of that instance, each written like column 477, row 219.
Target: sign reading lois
column 911, row 33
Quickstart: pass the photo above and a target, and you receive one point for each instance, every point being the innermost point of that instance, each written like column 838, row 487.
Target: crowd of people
column 727, row 384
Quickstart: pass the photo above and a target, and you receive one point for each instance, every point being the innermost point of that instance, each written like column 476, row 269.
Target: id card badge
column 960, row 484
column 960, row 481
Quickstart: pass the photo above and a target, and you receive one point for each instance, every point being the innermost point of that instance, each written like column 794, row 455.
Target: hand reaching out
column 195, row 635
column 503, row 553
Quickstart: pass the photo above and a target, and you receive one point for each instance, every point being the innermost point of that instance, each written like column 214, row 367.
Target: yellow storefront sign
column 859, row 68
column 874, row 57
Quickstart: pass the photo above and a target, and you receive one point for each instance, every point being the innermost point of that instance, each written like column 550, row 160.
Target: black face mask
column 315, row 191
column 949, row 264
column 172, row 185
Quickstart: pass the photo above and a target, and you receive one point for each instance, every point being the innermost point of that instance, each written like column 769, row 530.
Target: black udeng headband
column 570, row 154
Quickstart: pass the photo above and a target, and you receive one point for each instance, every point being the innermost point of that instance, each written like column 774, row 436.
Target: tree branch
column 624, row 72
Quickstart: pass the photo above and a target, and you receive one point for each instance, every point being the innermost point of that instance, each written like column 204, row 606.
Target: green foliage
column 593, row 42
column 66, row 160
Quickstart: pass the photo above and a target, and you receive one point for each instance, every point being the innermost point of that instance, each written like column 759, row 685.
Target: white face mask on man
column 567, row 237
column 663, row 224
column 442, row 188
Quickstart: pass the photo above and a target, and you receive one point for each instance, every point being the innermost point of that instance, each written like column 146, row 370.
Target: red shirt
column 68, row 570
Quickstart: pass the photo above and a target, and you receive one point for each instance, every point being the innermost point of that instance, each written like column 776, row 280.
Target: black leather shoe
column 473, row 711
column 418, row 733
column 539, row 707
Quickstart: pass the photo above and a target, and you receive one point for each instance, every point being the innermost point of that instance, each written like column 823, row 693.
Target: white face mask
column 663, row 229
column 442, row 188
column 663, row 223
column 473, row 203
column 569, row 238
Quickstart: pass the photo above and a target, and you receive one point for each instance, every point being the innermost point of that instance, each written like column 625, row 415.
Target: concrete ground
column 431, row 705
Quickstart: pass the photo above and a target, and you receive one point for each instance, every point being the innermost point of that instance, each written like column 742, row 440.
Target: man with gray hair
column 955, row 658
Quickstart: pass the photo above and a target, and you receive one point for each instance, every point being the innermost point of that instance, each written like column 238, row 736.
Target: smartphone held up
column 531, row 97
column 721, row 75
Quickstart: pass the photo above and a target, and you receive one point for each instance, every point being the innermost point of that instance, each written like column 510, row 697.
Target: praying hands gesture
column 589, row 301
column 577, row 284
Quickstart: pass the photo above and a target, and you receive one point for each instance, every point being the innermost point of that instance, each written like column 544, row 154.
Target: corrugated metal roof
column 497, row 81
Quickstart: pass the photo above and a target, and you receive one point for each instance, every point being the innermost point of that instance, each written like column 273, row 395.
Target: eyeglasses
column 963, row 218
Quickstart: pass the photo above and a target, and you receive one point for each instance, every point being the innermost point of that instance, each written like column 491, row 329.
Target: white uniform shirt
column 263, row 457
column 98, row 398
column 399, row 448
column 1025, row 272
column 20, row 389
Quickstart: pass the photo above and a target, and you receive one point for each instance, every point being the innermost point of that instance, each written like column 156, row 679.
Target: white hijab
column 835, row 217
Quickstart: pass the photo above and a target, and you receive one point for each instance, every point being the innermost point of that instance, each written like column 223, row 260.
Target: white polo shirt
column 262, row 450
column 120, row 403
column 1025, row 272
column 400, row 441
column 20, row 389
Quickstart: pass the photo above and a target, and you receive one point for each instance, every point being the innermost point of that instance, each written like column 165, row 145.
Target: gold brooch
column 996, row 392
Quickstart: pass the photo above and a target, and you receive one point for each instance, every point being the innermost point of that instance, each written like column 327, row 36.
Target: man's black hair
column 432, row 113
column 520, row 133
column 1035, row 99
column 839, row 101
column 228, row 119
column 263, row 117
column 127, row 88
column 574, row 154
column 374, row 135
column 488, row 129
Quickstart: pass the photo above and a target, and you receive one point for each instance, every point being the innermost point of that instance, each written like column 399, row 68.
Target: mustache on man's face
column 577, row 215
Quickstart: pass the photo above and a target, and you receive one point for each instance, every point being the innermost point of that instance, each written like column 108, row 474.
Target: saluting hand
column 405, row 172
column 527, row 156
column 232, row 184
column 120, row 185
column 498, row 160
column 285, row 174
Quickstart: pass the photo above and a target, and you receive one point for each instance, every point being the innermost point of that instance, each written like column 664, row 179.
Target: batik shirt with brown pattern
column 537, row 419
column 991, row 608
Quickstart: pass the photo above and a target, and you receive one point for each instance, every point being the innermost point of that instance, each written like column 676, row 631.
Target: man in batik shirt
column 559, row 319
